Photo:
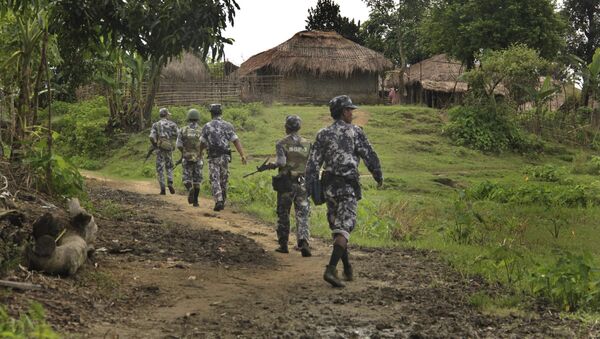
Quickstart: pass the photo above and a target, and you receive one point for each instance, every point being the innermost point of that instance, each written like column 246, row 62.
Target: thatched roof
column 187, row 68
column 438, row 73
column 317, row 53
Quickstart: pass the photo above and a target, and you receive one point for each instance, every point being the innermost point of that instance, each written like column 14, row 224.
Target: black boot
column 348, row 274
column 191, row 196
column 162, row 191
column 283, row 247
column 219, row 206
column 196, row 193
column 330, row 276
column 171, row 189
column 304, row 248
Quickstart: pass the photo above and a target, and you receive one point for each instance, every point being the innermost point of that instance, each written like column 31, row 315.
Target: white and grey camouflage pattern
column 216, row 136
column 338, row 149
column 167, row 129
column 299, row 199
column 218, row 173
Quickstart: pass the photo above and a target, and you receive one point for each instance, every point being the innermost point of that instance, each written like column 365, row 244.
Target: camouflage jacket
column 216, row 136
column 163, row 128
column 338, row 149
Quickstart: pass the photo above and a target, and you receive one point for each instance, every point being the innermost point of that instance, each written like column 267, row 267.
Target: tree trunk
column 401, row 87
column 153, row 84
column 49, row 136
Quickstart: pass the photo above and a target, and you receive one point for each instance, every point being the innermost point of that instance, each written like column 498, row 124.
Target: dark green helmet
column 337, row 105
column 215, row 109
column 193, row 114
column 293, row 122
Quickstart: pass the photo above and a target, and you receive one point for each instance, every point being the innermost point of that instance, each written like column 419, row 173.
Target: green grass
column 413, row 209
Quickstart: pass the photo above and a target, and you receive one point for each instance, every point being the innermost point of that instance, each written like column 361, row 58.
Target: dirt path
column 189, row 285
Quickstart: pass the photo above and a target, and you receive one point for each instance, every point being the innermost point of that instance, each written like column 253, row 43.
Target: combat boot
column 171, row 189
column 283, row 247
column 348, row 274
column 196, row 193
column 162, row 191
column 330, row 276
column 219, row 206
column 191, row 196
column 305, row 248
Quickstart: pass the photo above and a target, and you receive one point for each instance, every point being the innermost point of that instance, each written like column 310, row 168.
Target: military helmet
column 163, row 112
column 215, row 109
column 337, row 104
column 193, row 114
column 293, row 122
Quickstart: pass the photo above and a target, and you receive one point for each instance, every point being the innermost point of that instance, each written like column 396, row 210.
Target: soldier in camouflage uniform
column 188, row 142
column 292, row 154
column 338, row 149
column 216, row 136
column 162, row 135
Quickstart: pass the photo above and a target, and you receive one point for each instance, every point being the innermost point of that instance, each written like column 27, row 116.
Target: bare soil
column 164, row 269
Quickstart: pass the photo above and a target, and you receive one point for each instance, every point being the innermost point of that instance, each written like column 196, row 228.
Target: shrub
column 571, row 282
column 488, row 128
column 547, row 173
column 30, row 325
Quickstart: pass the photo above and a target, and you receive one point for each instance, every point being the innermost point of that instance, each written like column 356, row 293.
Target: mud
column 166, row 270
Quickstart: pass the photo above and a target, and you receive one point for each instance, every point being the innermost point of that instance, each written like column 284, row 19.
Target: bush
column 571, row 282
column 547, row 173
column 30, row 325
column 488, row 128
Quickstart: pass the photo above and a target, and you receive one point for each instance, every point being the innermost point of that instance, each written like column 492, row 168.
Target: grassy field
column 504, row 216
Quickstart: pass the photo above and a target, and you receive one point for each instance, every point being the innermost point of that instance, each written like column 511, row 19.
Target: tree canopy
column 325, row 16
column 462, row 28
column 583, row 18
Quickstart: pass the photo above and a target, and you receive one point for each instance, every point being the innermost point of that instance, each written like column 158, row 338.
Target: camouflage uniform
column 192, row 165
column 216, row 136
column 162, row 134
column 339, row 148
column 292, row 152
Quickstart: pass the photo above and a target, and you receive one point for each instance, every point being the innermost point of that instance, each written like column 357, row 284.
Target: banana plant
column 539, row 97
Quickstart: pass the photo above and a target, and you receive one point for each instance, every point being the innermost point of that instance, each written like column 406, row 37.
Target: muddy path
column 192, row 273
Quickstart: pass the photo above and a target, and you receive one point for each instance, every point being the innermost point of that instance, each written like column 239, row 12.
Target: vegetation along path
column 205, row 274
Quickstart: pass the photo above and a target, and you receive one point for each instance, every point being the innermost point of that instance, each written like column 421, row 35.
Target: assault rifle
column 260, row 168
column 179, row 161
column 150, row 151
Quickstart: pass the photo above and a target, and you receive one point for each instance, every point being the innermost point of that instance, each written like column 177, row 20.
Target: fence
column 223, row 90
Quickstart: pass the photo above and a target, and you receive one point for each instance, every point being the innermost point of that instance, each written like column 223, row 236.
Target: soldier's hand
column 244, row 161
column 380, row 182
column 378, row 176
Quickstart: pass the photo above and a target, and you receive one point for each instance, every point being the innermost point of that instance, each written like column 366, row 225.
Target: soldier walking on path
column 292, row 154
column 162, row 135
column 216, row 136
column 188, row 142
column 338, row 149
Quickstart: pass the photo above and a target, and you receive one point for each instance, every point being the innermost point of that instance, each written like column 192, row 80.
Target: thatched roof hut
column 438, row 73
column 315, row 64
column 187, row 68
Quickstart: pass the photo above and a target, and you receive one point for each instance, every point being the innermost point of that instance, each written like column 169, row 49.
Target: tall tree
column 156, row 30
column 325, row 16
column 583, row 35
column 464, row 27
column 393, row 29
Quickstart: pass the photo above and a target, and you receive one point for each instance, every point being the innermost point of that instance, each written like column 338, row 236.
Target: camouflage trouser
column 192, row 172
column 341, row 214
column 285, row 200
column 164, row 161
column 218, row 172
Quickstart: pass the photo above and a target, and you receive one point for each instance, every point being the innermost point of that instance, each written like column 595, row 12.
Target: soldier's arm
column 179, row 142
column 153, row 135
column 280, row 160
column 313, row 165
column 240, row 149
column 367, row 153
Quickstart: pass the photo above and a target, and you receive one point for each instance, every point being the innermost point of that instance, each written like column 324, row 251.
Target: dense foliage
column 325, row 16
